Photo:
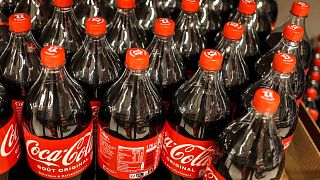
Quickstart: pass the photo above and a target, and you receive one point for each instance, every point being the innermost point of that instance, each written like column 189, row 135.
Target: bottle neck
column 279, row 81
column 259, row 122
column 300, row 21
column 191, row 17
column 286, row 44
column 55, row 75
column 97, row 40
column 246, row 20
column 161, row 41
column 229, row 45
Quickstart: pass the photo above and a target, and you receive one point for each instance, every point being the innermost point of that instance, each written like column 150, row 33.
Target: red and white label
column 9, row 145
column 17, row 106
column 183, row 156
column 212, row 173
column 95, row 106
column 286, row 142
column 128, row 159
column 61, row 158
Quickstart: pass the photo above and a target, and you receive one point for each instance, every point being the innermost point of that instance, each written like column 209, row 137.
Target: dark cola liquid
column 234, row 94
column 272, row 9
column 191, row 63
column 211, row 37
column 95, row 92
column 251, row 62
column 4, row 37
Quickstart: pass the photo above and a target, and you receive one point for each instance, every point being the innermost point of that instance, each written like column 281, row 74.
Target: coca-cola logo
column 19, row 103
column 187, row 153
column 10, row 141
column 80, row 149
column 209, row 174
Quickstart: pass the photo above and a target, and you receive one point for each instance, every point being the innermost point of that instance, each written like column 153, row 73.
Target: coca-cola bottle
column 171, row 8
column 210, row 20
column 9, row 139
column 290, row 43
column 310, row 102
column 148, row 12
column 250, row 40
column 299, row 12
column 272, row 9
column 314, row 80
column 131, row 124
column 63, row 29
column 40, row 12
column 200, row 111
column 4, row 32
column 189, row 37
column 235, row 73
column 262, row 17
column 95, row 66
column 125, row 32
column 250, row 148
column 279, row 80
column 226, row 7
column 316, row 64
column 58, row 130
column 20, row 62
column 85, row 9
column 7, row 6
column 167, row 69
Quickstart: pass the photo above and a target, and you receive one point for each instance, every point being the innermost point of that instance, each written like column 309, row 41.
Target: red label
column 183, row 156
column 128, row 159
column 286, row 142
column 10, row 146
column 95, row 106
column 212, row 173
column 298, row 101
column 61, row 158
column 17, row 106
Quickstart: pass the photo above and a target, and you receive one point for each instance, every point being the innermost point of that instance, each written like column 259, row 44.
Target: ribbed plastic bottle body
column 189, row 40
column 167, row 70
column 63, row 29
column 40, row 12
column 20, row 65
column 125, row 32
column 96, row 66
column 263, row 20
column 7, row 7
column 4, row 32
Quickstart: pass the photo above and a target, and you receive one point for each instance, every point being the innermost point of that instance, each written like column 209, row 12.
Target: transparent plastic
column 171, row 8
column 148, row 12
column 190, row 40
column 311, row 107
column 272, row 9
column 96, row 66
column 305, row 48
column 287, row 116
column 89, row 8
column 200, row 108
column 56, row 108
column 132, row 109
column 250, row 42
column 250, row 148
column 63, row 29
column 4, row 32
column 20, row 64
column 235, row 73
column 40, row 12
column 125, row 32
column 210, row 20
column 167, row 70
column 226, row 7
column 298, row 78
column 7, row 6
column 263, row 20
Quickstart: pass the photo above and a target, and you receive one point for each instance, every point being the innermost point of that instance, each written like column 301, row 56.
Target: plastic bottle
column 40, row 12
column 57, row 118
column 290, row 43
column 167, row 70
column 125, row 32
column 20, row 62
column 131, row 122
column 310, row 102
column 200, row 111
column 299, row 12
column 262, row 17
column 4, row 32
column 63, row 29
column 250, row 147
column 7, row 6
column 189, row 37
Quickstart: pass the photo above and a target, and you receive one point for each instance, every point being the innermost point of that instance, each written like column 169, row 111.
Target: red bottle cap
column 190, row 5
column 247, row 7
column 266, row 101
column 284, row 62
column 316, row 62
column 210, row 60
column 312, row 93
column 233, row 30
column 126, row 4
column 63, row 3
column 315, row 76
column 318, row 49
column 137, row 59
column 96, row 26
column 314, row 113
column 164, row 27
column 293, row 32
column 20, row 22
column 52, row 56
column 300, row 9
